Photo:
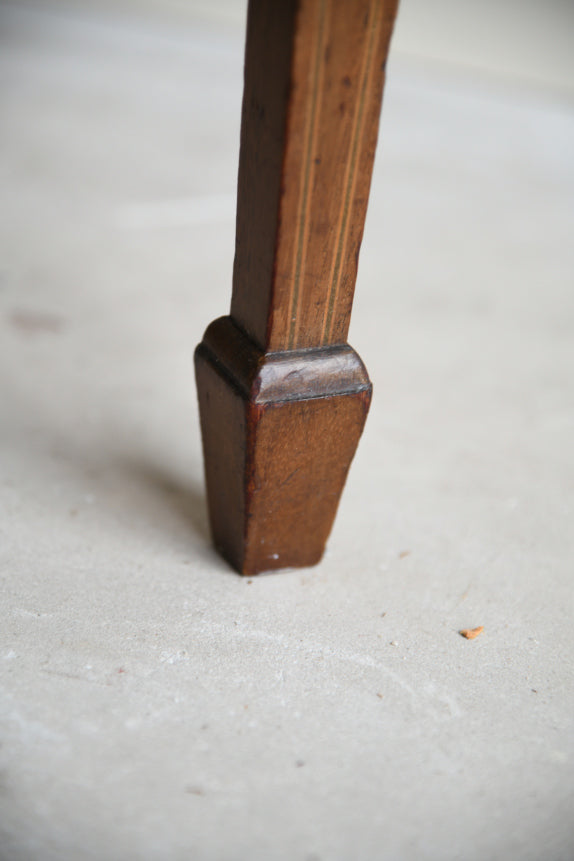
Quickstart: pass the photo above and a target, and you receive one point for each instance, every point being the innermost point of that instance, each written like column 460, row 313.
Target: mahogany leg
column 283, row 398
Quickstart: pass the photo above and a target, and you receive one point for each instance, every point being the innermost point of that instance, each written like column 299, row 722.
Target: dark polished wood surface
column 283, row 399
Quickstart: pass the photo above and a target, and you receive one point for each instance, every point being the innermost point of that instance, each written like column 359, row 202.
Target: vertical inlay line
column 351, row 173
column 304, row 203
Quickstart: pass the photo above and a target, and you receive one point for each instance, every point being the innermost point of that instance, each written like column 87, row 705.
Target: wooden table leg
column 283, row 398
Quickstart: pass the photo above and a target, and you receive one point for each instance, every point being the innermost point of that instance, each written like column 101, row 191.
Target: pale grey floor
column 153, row 704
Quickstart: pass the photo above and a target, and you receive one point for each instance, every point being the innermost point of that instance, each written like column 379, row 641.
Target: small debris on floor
column 404, row 553
column 471, row 633
column 394, row 643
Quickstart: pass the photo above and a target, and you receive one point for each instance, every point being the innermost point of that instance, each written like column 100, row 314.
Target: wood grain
column 309, row 133
column 279, row 433
column 283, row 398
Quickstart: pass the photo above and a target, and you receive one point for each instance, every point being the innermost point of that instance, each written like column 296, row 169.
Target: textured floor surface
column 153, row 704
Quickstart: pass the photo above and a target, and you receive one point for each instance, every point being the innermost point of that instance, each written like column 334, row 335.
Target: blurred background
column 153, row 704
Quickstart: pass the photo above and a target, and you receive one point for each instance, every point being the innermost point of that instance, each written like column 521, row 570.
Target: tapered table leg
column 283, row 398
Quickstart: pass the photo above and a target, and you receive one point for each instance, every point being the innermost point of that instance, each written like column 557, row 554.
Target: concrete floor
column 154, row 705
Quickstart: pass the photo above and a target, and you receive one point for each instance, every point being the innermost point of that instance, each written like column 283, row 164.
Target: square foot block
column 279, row 433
